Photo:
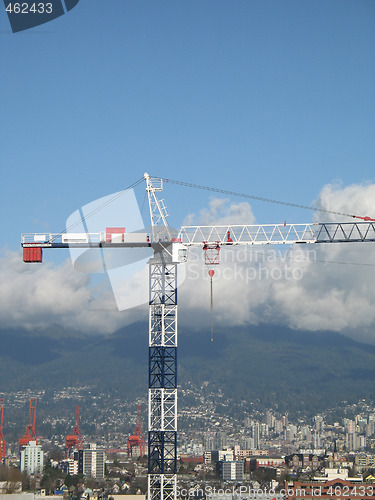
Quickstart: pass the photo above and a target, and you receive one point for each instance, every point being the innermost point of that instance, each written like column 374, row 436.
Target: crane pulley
column 211, row 258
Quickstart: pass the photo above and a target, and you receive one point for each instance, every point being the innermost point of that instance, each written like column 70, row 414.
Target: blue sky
column 271, row 98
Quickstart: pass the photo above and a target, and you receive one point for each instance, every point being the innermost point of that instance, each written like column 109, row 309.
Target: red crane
column 137, row 440
column 74, row 442
column 2, row 440
column 30, row 429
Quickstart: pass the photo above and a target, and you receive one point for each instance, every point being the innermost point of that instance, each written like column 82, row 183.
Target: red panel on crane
column 32, row 254
column 113, row 230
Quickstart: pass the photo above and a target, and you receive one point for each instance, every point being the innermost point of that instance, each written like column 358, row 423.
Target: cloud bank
column 306, row 287
column 43, row 295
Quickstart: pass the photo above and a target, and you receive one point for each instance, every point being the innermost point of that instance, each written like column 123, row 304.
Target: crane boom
column 263, row 234
column 278, row 234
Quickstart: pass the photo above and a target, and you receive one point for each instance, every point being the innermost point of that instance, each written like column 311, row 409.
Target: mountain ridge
column 273, row 365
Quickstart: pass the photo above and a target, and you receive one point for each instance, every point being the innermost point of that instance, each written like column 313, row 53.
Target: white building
column 70, row 466
column 32, row 458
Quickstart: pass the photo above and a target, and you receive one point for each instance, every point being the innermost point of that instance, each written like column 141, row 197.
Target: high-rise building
column 91, row 462
column 220, row 440
column 370, row 428
column 264, row 430
column 230, row 471
column 278, row 426
column 247, row 443
column 270, row 420
column 31, row 458
column 290, row 432
column 350, row 426
column 316, row 442
column 352, row 441
column 255, row 434
column 318, row 423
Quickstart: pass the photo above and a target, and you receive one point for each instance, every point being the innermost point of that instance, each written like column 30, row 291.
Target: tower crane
column 30, row 429
column 137, row 440
column 169, row 250
column 74, row 441
column 2, row 440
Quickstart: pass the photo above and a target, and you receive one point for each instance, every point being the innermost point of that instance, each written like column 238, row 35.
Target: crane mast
column 168, row 252
column 162, row 376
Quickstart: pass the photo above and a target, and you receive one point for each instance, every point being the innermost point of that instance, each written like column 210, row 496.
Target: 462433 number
column 350, row 491
column 25, row 8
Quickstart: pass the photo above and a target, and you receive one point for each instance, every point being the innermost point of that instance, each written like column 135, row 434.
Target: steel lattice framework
column 162, row 394
column 263, row 234
column 279, row 234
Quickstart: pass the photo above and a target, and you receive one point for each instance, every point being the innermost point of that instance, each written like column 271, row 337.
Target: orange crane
column 30, row 429
column 74, row 442
column 137, row 440
column 2, row 440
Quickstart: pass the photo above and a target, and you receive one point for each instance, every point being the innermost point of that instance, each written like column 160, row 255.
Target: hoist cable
column 212, row 313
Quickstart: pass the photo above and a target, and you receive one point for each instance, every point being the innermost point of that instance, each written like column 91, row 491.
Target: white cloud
column 307, row 287
column 310, row 287
column 357, row 199
column 41, row 295
column 221, row 211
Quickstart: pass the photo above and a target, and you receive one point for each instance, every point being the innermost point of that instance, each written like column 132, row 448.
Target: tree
column 73, row 480
column 52, row 476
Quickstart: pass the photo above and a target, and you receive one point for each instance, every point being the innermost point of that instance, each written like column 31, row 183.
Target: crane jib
column 327, row 232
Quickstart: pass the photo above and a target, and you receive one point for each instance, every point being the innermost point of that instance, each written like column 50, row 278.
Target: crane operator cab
column 179, row 251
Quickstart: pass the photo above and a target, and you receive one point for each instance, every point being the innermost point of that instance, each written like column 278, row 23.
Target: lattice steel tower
column 162, row 393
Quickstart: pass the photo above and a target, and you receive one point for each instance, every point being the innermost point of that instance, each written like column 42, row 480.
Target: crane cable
column 261, row 198
column 211, row 273
column 100, row 207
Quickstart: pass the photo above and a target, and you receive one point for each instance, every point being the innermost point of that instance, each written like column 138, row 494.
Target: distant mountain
column 277, row 366
column 269, row 366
